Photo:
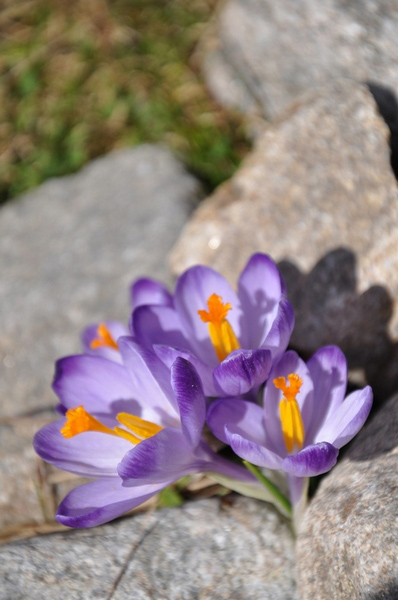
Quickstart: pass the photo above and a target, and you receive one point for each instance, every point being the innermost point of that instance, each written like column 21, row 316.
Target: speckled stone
column 264, row 55
column 24, row 497
column 210, row 549
column 318, row 194
column 68, row 253
column 348, row 544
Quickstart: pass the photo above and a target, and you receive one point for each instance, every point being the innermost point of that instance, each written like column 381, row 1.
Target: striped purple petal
column 311, row 460
column 102, row 500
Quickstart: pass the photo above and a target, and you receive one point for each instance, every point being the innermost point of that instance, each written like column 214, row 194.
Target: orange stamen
column 104, row 338
column 289, row 410
column 221, row 333
column 80, row 421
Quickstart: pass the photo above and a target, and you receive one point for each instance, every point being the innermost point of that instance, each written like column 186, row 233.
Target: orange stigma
column 104, row 338
column 221, row 333
column 289, row 410
column 80, row 421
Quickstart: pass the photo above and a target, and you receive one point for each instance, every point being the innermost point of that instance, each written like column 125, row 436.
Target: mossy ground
column 79, row 78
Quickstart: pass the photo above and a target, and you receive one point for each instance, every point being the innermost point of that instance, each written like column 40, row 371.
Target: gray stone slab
column 209, row 549
column 317, row 193
column 274, row 52
column 68, row 252
column 348, row 545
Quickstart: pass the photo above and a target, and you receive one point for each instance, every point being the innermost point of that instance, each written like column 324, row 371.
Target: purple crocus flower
column 100, row 339
column 232, row 338
column 134, row 427
column 303, row 422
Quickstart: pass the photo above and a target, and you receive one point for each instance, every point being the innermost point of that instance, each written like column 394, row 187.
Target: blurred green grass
column 79, row 78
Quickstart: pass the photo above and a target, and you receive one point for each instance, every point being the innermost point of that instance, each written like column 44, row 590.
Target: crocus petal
column 241, row 416
column 99, row 384
column 168, row 355
column 290, row 362
column 150, row 379
column 347, row 419
column 259, row 289
column 278, row 337
column 158, row 325
column 89, row 454
column 328, row 371
column 193, row 289
column 164, row 456
column 242, row 370
column 101, row 501
column 148, row 291
column 298, row 486
column 116, row 330
column 190, row 399
column 311, row 460
column 255, row 453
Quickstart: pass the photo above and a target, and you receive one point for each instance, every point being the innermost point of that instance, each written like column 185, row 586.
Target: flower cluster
column 133, row 406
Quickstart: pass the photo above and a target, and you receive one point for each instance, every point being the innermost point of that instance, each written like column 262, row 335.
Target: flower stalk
column 279, row 497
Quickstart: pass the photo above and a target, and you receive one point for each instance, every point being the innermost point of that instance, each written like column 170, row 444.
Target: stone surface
column 317, row 193
column 23, row 498
column 348, row 544
column 269, row 53
column 68, row 253
column 209, row 549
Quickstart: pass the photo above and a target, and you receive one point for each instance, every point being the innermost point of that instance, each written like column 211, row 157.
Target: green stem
column 270, row 486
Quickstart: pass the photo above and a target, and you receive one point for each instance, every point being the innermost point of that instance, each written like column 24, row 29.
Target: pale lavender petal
column 89, row 454
column 149, row 291
column 297, row 487
column 116, row 330
column 255, row 453
column 290, row 362
column 240, row 416
column 259, row 289
column 150, row 380
column 242, row 370
column 193, row 289
column 102, row 500
column 159, row 325
column 168, row 355
column 311, row 460
column 101, row 385
column 328, row 371
column 164, row 456
column 347, row 419
column 227, row 468
column 278, row 337
column 190, row 399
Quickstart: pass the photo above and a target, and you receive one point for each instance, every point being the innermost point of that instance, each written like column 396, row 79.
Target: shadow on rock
column 387, row 104
column 329, row 310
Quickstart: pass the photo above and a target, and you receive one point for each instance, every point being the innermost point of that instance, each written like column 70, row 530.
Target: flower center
column 292, row 423
column 104, row 338
column 79, row 421
column 221, row 333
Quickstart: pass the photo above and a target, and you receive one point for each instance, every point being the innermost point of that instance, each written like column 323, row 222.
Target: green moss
column 78, row 79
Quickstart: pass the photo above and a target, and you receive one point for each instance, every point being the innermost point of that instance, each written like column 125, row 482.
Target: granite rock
column 318, row 194
column 234, row 549
column 262, row 56
column 24, row 496
column 68, row 252
column 347, row 547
